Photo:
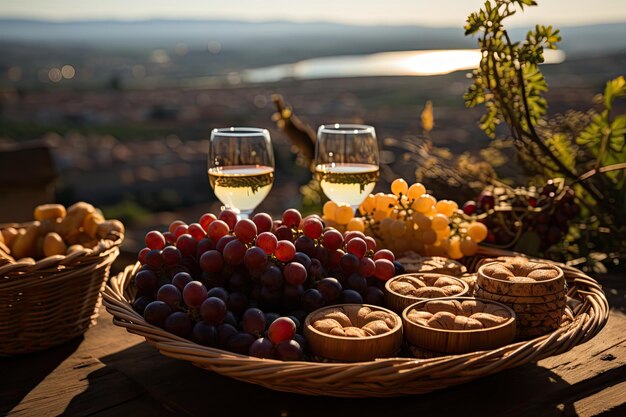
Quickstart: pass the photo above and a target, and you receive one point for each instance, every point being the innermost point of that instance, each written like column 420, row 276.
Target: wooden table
column 110, row 372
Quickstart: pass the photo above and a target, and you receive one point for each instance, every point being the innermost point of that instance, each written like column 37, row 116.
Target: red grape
column 262, row 348
column 154, row 259
column 295, row 273
column 384, row 254
column 245, row 230
column 371, row 243
column 229, row 217
column 255, row 260
column 267, row 241
column 156, row 312
column 348, row 236
column 178, row 323
column 194, row 294
column 169, row 238
column 217, row 229
column 171, row 256
column 367, row 267
column 281, row 329
column 292, row 218
column 332, row 239
column 385, row 269
column 234, row 252
column 181, row 279
column 263, row 222
column 357, row 247
column 213, row 310
column 312, row 227
column 211, row 261
column 175, row 225
column 253, row 321
column 285, row 250
column 170, row 295
column 186, row 244
column 334, row 257
column 205, row 334
column 141, row 257
column 469, row 207
column 180, row 230
column 197, row 231
column 289, row 350
column 206, row 219
column 155, row 240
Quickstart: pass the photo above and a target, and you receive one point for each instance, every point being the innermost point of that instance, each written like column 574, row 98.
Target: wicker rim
column 381, row 377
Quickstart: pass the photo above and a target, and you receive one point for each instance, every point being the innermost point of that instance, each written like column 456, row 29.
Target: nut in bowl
column 353, row 332
column 407, row 289
column 458, row 325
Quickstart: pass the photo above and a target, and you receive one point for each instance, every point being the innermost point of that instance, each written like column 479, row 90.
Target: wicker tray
column 379, row 378
column 56, row 299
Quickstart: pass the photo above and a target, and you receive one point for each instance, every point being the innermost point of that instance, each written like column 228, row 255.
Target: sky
column 359, row 12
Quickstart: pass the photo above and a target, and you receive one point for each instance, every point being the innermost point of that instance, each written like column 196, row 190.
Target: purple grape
column 296, row 320
column 234, row 252
column 374, row 296
column 349, row 263
column 289, row 350
column 284, row 233
column 171, row 255
column 298, row 316
column 302, row 258
column 239, row 282
column 204, row 245
column 230, row 319
column 224, row 333
column 139, row 305
column 186, row 244
column 292, row 295
column 154, row 259
column 270, row 299
column 321, row 254
column 351, row 297
column 269, row 319
column 312, row 300
column 170, row 295
column 213, row 279
column 255, row 260
column 218, row 292
column 399, row 268
column 305, row 245
column 211, row 261
column 156, row 312
column 224, row 240
column 213, row 310
column 253, row 322
column 330, row 288
column 356, row 282
column 204, row 334
column 194, row 294
column 146, row 281
column 237, row 303
column 240, row 343
column 262, row 348
column 295, row 273
column 172, row 271
column 301, row 341
column 272, row 278
column 178, row 323
column 316, row 270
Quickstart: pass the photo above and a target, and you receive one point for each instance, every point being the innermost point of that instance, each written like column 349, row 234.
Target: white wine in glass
column 241, row 167
column 346, row 162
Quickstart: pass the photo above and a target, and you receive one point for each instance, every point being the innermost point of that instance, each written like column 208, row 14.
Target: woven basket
column 56, row 299
column 379, row 378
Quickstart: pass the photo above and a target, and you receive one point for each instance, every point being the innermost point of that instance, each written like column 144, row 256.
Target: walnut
column 488, row 320
column 451, row 306
column 442, row 320
column 430, row 292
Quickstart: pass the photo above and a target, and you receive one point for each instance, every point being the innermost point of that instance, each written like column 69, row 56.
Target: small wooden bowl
column 521, row 289
column 398, row 302
column 352, row 349
column 458, row 341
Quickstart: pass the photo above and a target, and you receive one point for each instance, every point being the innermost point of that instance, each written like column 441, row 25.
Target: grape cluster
column 225, row 282
column 508, row 213
column 409, row 219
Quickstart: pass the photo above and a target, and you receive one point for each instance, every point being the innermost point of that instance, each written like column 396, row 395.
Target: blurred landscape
column 127, row 107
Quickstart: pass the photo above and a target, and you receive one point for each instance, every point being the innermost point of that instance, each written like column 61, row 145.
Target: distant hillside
column 317, row 38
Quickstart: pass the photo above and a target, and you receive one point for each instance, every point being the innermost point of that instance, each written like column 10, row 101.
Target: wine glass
column 346, row 162
column 241, row 167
